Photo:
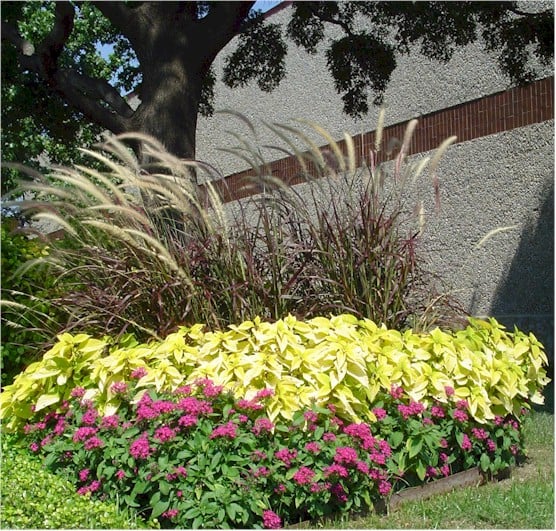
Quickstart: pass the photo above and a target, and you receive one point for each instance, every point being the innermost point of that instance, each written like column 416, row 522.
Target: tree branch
column 222, row 23
column 22, row 45
column 84, row 94
column 95, row 98
column 123, row 17
column 51, row 47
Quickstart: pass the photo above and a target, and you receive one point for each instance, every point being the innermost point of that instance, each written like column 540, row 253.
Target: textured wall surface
column 500, row 180
column 418, row 86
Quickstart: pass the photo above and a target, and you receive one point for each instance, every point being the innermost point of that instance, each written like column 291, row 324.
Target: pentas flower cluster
column 198, row 457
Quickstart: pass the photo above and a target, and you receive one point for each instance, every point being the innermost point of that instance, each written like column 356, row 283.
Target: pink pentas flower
column 443, row 457
column 368, row 443
column 336, row 421
column 60, row 427
column 243, row 418
column 437, row 412
column 428, row 421
column 466, row 443
column 377, row 457
column 138, row 373
column 92, row 443
column 280, row 489
column 396, row 392
column 120, row 474
column 183, row 390
column 118, row 388
column 180, row 471
column 479, row 433
column 84, row 474
column 83, row 433
column 47, row 440
column 384, row 488
column 264, row 393
column 271, row 520
column 34, row 447
column 262, row 471
column 328, row 436
column 187, row 421
column 140, row 448
column 258, row 455
column 163, row 406
column 491, row 445
column 286, row 456
column 431, row 472
column 379, row 413
column 358, row 430
column 363, row 467
column 449, row 390
column 194, row 406
column 170, row 513
column 339, row 470
column 338, row 490
column 384, row 447
column 262, row 425
column 460, row 415
column 89, row 417
column 249, row 405
column 77, row 392
column 445, row 470
column 376, row 475
column 346, row 455
column 319, row 487
column 313, row 447
column 164, row 434
column 310, row 416
column 228, row 430
column 94, row 486
column 110, row 422
column 303, row 476
column 462, row 404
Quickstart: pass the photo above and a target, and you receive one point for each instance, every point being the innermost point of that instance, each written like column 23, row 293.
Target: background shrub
column 30, row 319
column 33, row 498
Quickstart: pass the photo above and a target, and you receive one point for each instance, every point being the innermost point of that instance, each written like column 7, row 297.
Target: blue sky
column 265, row 5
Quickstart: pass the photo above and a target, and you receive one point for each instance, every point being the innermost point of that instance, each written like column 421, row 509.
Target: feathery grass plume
column 146, row 251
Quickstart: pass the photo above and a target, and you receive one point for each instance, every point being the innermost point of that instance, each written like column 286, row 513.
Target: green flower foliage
column 340, row 360
column 33, row 498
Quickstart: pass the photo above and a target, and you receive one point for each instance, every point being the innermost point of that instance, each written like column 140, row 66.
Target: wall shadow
column 526, row 296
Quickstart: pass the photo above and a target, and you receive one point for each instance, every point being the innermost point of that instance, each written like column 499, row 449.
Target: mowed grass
column 525, row 501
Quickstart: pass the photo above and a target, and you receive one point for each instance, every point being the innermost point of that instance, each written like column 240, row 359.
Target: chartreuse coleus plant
column 339, row 360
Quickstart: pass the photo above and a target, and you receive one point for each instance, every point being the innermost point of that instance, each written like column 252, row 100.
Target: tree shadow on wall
column 528, row 289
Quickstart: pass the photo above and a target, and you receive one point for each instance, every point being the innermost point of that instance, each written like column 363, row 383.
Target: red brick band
column 502, row 111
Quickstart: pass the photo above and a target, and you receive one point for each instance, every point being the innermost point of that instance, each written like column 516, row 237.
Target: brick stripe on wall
column 496, row 113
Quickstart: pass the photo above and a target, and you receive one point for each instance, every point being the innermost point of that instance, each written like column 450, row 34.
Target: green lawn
column 525, row 501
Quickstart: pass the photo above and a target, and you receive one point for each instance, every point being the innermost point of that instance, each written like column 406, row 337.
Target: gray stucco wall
column 496, row 181
column 418, row 86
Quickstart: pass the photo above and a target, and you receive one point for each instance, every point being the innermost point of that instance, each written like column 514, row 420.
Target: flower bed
column 298, row 420
column 197, row 457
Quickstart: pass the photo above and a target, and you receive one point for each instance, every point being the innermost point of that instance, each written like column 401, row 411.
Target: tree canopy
column 59, row 92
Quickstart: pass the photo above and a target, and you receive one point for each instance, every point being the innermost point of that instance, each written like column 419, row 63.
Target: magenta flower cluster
column 157, row 452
